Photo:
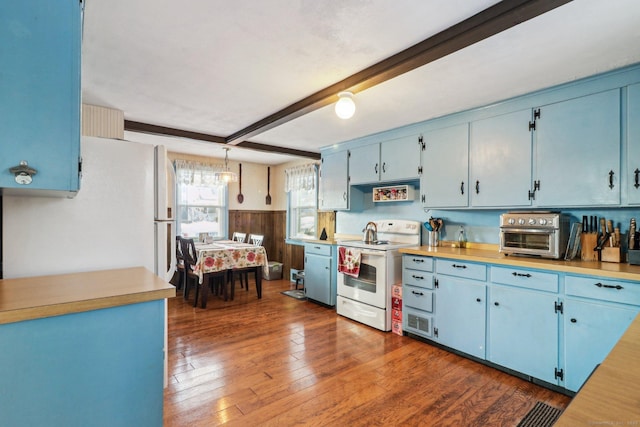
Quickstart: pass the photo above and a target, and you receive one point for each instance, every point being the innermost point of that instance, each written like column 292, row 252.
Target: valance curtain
column 196, row 173
column 300, row 177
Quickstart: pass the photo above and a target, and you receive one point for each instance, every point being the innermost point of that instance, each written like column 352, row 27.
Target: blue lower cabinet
column 460, row 315
column 97, row 368
column 320, row 273
column 590, row 332
column 523, row 331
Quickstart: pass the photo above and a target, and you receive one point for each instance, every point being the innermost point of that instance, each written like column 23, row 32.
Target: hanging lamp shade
column 345, row 107
column 225, row 175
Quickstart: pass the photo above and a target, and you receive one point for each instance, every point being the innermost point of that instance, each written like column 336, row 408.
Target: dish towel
column 349, row 261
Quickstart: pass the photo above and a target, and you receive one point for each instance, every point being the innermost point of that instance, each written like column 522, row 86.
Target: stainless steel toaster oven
column 535, row 233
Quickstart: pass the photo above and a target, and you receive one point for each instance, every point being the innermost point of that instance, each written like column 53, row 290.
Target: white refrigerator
column 164, row 214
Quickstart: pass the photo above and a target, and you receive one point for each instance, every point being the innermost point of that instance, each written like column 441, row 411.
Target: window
column 201, row 201
column 301, row 185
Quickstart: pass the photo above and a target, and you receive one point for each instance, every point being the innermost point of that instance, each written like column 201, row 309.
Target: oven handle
column 529, row 230
column 372, row 253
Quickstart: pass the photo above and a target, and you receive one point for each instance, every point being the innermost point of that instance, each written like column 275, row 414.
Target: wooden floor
column 280, row 361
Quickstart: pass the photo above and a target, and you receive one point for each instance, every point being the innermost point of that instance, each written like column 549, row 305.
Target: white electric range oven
column 367, row 297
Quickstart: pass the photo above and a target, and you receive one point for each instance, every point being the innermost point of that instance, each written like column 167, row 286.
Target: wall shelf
column 393, row 193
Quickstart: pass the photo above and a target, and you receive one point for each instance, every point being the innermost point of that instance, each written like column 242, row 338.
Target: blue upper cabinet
column 40, row 95
column 577, row 144
column 500, row 160
column 389, row 161
column 633, row 144
column 444, row 182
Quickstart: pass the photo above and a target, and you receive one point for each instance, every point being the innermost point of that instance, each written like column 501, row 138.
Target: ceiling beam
column 133, row 126
column 491, row 21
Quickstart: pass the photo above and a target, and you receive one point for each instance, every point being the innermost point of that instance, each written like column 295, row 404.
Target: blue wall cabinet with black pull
column 577, row 144
column 633, row 144
column 40, row 96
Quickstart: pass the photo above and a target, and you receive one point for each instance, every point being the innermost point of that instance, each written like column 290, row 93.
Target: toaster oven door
column 538, row 242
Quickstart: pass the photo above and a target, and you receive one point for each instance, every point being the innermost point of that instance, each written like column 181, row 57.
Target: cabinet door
column 334, row 184
column 40, row 92
column 633, row 145
column 400, row 159
column 444, row 180
column 460, row 314
column 317, row 278
column 364, row 164
column 578, row 151
column 500, row 160
column 523, row 331
column 590, row 332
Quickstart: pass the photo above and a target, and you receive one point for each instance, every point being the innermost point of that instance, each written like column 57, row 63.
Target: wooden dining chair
column 243, row 273
column 179, row 263
column 256, row 239
column 189, row 260
column 238, row 237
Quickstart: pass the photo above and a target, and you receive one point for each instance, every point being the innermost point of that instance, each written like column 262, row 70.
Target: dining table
column 222, row 256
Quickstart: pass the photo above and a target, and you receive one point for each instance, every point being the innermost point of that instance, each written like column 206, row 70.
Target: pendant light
column 225, row 175
column 345, row 107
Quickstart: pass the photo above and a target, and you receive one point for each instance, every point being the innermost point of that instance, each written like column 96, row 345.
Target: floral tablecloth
column 219, row 257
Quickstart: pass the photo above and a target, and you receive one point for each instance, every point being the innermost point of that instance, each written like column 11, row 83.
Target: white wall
column 109, row 224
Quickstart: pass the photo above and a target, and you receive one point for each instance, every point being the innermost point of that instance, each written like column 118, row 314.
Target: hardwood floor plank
column 281, row 361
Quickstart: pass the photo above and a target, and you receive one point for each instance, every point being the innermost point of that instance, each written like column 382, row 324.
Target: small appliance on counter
column 534, row 233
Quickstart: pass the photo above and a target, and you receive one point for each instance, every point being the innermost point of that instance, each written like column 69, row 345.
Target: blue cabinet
column 591, row 330
column 460, row 313
column 577, row 151
column 417, row 295
column 444, row 182
column 40, row 94
column 597, row 312
column 320, row 271
column 500, row 160
column 389, row 161
column 523, row 331
column 633, row 144
column 334, row 174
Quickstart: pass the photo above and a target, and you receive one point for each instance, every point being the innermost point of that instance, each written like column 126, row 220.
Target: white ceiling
column 216, row 66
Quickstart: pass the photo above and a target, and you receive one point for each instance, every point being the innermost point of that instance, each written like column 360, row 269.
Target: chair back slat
column 239, row 237
column 256, row 239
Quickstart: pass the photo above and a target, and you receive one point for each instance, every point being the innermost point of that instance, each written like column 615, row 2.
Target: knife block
column 588, row 241
column 610, row 254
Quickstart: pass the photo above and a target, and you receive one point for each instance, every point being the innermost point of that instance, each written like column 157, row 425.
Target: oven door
column 370, row 285
column 540, row 242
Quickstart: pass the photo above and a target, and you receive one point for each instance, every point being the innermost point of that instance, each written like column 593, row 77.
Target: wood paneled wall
column 273, row 225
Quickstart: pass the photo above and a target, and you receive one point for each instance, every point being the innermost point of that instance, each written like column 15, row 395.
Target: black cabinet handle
column 384, row 167
column 417, row 277
column 478, row 300
column 521, row 274
column 573, row 320
column 477, row 187
column 496, row 303
column 636, row 174
column 417, row 293
column 600, row 285
column 611, row 179
column 417, row 260
column 458, row 266
column 376, row 168
column 462, row 185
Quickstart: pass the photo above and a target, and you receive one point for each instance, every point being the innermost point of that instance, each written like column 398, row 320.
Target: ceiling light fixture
column 225, row 175
column 345, row 107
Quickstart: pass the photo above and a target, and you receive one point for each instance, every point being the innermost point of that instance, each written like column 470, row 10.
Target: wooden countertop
column 611, row 396
column 45, row 296
column 611, row 270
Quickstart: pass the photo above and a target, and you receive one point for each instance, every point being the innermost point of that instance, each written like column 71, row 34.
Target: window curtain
column 300, row 177
column 196, row 173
